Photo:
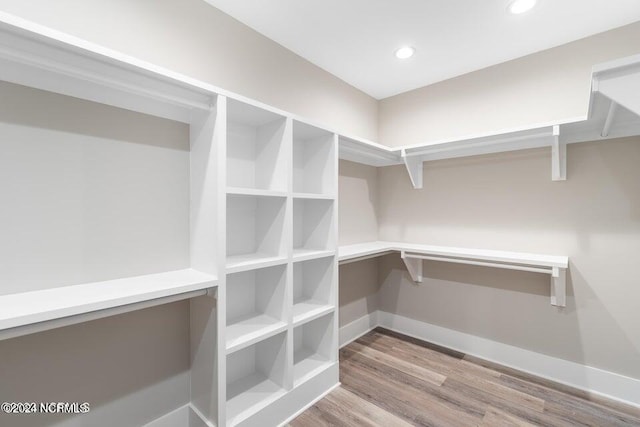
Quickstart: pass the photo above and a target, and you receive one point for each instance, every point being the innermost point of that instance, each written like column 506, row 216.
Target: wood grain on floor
column 389, row 379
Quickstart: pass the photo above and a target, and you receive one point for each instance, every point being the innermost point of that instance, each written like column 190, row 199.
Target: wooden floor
column 392, row 380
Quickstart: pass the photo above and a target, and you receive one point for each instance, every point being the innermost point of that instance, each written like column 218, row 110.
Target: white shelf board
column 308, row 364
column 36, row 56
column 316, row 196
column 27, row 308
column 239, row 191
column 307, row 310
column 376, row 248
column 302, row 254
column 250, row 395
column 367, row 152
column 244, row 262
column 364, row 250
column 250, row 329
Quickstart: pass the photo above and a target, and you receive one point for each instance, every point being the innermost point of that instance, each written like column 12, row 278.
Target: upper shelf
column 43, row 58
column 33, row 308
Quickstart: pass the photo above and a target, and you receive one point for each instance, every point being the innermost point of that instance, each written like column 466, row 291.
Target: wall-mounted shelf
column 413, row 255
column 614, row 112
column 35, row 311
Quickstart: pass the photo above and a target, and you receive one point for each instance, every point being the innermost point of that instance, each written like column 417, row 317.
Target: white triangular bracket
column 414, row 167
column 414, row 266
column 559, row 287
column 558, row 156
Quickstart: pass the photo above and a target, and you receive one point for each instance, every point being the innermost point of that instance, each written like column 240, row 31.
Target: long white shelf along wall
column 414, row 254
column 614, row 112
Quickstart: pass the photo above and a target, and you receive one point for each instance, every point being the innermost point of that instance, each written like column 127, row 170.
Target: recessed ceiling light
column 405, row 52
column 521, row 6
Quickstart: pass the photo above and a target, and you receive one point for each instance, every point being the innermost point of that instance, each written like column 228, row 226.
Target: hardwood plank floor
column 389, row 379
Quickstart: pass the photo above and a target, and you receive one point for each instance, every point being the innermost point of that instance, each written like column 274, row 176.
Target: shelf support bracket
column 414, row 266
column 559, row 287
column 558, row 156
column 609, row 120
column 414, row 167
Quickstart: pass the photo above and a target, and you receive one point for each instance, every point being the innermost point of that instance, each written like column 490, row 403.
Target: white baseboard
column 593, row 380
column 354, row 330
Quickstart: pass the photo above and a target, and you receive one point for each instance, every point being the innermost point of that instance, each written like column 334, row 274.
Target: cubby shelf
column 252, row 329
column 301, row 254
column 310, row 309
column 255, row 377
column 313, row 293
column 314, row 196
column 313, row 221
column 313, row 166
column 239, row 191
column 256, row 148
column 255, row 306
column 255, row 226
column 313, row 343
column 247, row 262
column 307, row 364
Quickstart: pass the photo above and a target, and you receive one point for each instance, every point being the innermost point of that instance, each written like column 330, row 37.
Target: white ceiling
column 355, row 39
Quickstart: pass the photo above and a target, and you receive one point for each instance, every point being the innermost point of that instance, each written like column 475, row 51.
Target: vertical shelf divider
column 288, row 144
column 207, row 135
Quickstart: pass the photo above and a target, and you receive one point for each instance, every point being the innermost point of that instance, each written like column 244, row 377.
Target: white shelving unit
column 313, row 289
column 313, row 348
column 281, row 238
column 256, row 306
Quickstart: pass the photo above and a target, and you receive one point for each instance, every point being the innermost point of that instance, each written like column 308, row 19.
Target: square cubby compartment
column 314, row 288
column 257, row 157
column 313, row 348
column 314, row 162
column 313, row 226
column 255, row 377
column 255, row 226
column 256, row 302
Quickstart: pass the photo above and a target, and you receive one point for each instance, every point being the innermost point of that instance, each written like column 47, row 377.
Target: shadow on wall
column 130, row 368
